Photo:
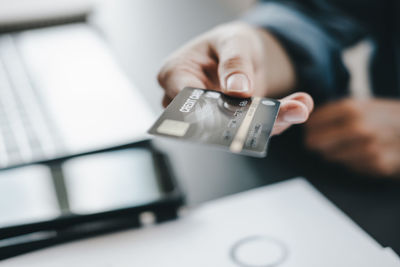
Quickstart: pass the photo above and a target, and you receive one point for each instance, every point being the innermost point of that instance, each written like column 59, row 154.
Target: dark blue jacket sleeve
column 314, row 34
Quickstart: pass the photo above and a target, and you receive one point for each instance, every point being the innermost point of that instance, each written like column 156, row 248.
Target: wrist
column 278, row 75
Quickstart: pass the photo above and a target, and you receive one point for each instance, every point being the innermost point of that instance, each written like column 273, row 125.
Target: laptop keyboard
column 26, row 133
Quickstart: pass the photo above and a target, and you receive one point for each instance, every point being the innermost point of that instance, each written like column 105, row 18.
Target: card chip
column 173, row 127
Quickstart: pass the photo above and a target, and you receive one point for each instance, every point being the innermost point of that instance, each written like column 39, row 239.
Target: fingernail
column 237, row 83
column 294, row 116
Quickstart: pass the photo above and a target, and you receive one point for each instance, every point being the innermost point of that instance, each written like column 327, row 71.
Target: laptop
column 63, row 93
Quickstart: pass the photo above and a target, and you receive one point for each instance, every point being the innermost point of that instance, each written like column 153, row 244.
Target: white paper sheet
column 390, row 258
column 306, row 228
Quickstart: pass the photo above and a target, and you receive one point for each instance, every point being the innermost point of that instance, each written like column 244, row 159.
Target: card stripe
column 240, row 137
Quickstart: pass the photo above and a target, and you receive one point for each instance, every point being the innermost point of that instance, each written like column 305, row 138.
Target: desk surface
column 143, row 33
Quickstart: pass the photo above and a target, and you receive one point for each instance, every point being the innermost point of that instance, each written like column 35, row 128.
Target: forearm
column 278, row 79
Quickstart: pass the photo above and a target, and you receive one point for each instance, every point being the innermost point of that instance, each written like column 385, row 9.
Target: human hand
column 361, row 134
column 241, row 61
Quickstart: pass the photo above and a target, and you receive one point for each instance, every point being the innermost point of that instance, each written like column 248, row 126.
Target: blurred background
column 142, row 34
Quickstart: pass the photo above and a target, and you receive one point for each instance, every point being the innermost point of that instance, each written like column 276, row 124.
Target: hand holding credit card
column 240, row 125
column 239, row 60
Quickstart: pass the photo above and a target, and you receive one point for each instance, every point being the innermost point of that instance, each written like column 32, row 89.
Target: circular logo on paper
column 258, row 251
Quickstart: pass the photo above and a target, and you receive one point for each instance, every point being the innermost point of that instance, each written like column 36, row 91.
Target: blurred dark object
column 315, row 33
column 94, row 193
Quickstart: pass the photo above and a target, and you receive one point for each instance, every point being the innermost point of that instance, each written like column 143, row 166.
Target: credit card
column 240, row 125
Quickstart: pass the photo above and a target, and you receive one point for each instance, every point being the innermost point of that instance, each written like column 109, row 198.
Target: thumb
column 295, row 109
column 235, row 69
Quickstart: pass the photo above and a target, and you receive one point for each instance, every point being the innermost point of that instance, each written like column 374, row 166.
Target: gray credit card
column 240, row 125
